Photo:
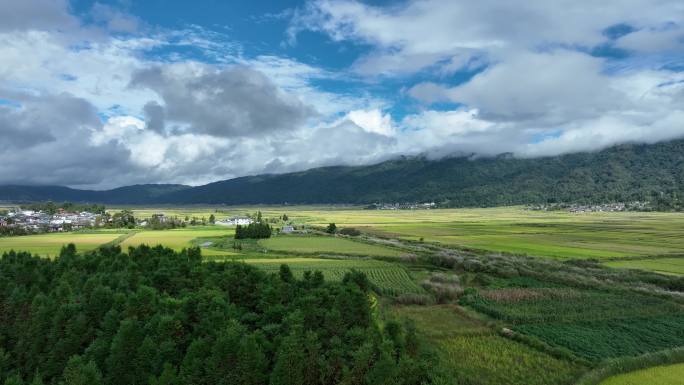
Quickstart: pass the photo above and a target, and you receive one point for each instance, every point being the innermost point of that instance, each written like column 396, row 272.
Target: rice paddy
column 556, row 234
column 322, row 245
column 176, row 239
column 49, row 245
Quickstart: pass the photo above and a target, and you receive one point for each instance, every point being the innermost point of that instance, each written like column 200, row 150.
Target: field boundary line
column 624, row 365
column 118, row 240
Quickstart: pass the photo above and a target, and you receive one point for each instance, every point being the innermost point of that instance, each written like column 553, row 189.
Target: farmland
column 515, row 230
column 314, row 245
column 50, row 244
column 176, row 239
column 556, row 234
column 388, row 277
column 659, row 375
column 591, row 324
column 471, row 353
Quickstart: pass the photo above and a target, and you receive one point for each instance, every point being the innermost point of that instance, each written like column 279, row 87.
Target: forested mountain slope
column 631, row 172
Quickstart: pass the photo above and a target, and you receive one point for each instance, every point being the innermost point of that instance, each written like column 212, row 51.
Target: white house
column 234, row 221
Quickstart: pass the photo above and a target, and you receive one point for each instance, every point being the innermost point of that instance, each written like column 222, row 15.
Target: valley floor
column 502, row 295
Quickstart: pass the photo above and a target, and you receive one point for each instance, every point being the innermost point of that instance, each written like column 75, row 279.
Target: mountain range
column 628, row 172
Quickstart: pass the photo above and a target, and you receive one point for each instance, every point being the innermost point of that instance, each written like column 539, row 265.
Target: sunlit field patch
column 176, row 239
column 48, row 245
column 658, row 375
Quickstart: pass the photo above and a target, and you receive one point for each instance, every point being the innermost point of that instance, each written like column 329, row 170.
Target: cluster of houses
column 402, row 206
column 39, row 221
column 593, row 208
column 234, row 221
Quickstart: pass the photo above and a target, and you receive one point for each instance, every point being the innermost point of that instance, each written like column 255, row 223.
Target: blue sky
column 106, row 93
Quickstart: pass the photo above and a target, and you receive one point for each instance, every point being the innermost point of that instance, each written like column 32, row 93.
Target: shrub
column 350, row 231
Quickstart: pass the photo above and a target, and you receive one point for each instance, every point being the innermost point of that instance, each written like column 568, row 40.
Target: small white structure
column 234, row 221
column 287, row 229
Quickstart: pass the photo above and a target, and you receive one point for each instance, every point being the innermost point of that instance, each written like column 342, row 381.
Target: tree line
column 256, row 230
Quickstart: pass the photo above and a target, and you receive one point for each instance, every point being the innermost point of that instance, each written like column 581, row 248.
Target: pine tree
column 168, row 376
column 290, row 363
column 78, row 372
column 14, row 380
column 252, row 364
column 121, row 365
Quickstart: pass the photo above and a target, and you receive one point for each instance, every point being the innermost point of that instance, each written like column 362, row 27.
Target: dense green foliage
column 598, row 340
column 256, row 230
column 589, row 323
column 567, row 305
column 634, row 172
column 154, row 316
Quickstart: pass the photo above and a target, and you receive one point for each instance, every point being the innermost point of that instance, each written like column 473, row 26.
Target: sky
column 100, row 94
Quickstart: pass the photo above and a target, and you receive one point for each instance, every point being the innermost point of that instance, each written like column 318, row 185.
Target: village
column 402, row 206
column 593, row 208
column 21, row 221
column 31, row 221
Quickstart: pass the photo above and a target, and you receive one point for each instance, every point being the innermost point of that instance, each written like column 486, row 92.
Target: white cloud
column 417, row 34
column 372, row 121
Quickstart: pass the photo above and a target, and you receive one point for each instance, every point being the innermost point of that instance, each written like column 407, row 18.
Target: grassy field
column 176, row 239
column 515, row 230
column 471, row 353
column 659, row 375
column 390, row 278
column 50, row 244
column 556, row 234
column 660, row 265
column 319, row 244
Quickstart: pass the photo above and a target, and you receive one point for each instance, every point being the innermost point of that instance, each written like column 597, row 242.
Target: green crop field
column 48, row 245
column 495, row 360
column 390, row 278
column 176, row 239
column 659, row 375
column 311, row 245
column 660, row 265
column 591, row 324
column 470, row 352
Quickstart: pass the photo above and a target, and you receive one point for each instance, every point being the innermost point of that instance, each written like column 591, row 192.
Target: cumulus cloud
column 36, row 14
column 46, row 140
column 372, row 121
column 236, row 101
column 419, row 34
